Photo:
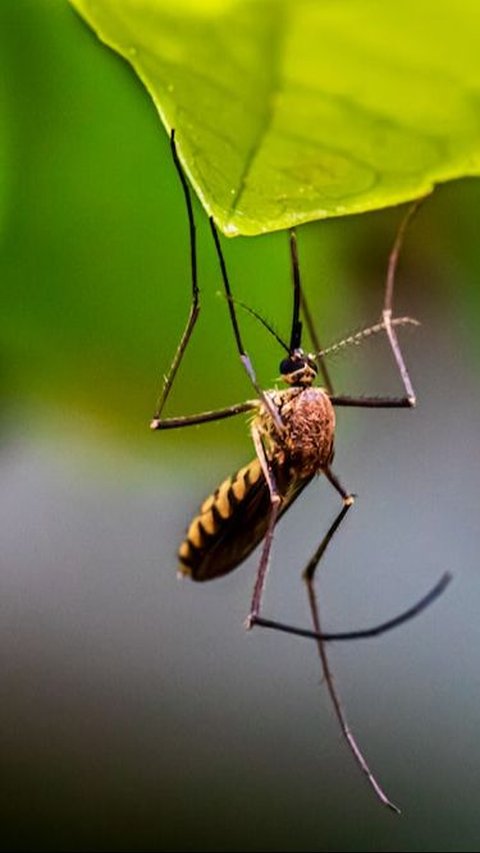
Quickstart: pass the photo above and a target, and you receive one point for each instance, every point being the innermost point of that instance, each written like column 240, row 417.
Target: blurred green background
column 136, row 714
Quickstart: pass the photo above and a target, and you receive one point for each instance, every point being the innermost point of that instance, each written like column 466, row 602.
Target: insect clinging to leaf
column 293, row 431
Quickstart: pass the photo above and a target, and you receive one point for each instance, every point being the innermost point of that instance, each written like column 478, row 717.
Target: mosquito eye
column 289, row 365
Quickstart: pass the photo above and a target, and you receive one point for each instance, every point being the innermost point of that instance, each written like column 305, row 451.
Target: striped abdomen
column 232, row 521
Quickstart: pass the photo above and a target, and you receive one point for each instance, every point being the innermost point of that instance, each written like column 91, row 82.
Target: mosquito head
column 298, row 369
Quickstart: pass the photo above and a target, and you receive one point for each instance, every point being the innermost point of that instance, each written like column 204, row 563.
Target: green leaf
column 286, row 112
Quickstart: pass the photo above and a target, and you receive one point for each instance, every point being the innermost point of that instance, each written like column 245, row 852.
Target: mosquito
column 293, row 433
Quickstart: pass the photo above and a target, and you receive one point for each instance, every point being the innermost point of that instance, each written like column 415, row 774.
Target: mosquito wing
column 233, row 520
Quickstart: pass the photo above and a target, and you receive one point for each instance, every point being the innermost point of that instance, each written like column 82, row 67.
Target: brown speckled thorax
column 233, row 520
column 306, row 444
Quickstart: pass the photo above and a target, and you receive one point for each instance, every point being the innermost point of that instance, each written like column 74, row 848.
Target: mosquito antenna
column 261, row 320
column 296, row 335
column 359, row 337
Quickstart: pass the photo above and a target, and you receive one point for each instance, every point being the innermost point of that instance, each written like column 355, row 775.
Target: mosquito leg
column 365, row 633
column 244, row 357
column 348, row 501
column 347, row 497
column 296, row 332
column 388, row 304
column 263, row 566
column 327, row 380
column 195, row 304
column 372, row 402
column 204, row 417
column 327, row 672
column 409, row 400
column 389, row 324
column 337, row 705
column 301, row 302
column 308, row 576
column 158, row 422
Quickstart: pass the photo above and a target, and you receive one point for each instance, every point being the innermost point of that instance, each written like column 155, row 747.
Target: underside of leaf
column 287, row 111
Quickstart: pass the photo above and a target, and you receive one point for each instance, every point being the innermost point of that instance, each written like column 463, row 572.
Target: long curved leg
column 321, row 638
column 195, row 304
column 337, row 704
column 365, row 633
column 308, row 575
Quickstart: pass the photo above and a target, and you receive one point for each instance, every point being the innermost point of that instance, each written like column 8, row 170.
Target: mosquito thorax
column 299, row 369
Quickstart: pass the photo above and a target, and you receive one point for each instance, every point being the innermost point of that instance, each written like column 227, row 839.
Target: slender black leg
column 372, row 402
column 204, row 417
column 244, row 357
column 257, row 619
column 365, row 633
column 159, row 423
column 321, row 639
column 308, row 575
column 296, row 332
column 195, row 304
column 348, row 501
column 336, row 702
column 301, row 302
column 275, row 498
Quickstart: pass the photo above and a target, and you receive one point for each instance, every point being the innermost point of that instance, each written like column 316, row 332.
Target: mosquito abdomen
column 212, row 524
